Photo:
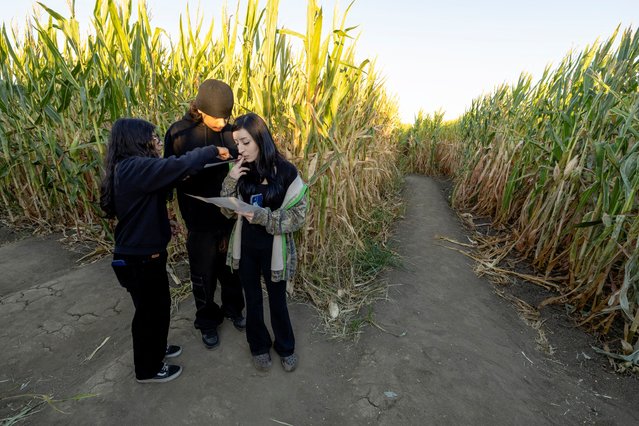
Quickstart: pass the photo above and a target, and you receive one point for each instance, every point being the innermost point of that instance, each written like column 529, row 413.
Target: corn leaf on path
column 452, row 351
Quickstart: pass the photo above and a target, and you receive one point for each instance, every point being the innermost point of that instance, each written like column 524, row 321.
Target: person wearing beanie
column 206, row 124
column 215, row 99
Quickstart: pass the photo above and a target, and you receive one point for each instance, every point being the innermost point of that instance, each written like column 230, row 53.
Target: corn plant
column 60, row 92
column 556, row 163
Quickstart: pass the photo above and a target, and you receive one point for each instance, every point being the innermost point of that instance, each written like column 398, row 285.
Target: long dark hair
column 130, row 137
column 267, row 163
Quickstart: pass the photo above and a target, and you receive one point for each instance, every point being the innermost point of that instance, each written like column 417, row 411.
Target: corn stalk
column 59, row 94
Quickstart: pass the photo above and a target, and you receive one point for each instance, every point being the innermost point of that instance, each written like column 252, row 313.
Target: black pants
column 207, row 260
column 253, row 263
column 146, row 280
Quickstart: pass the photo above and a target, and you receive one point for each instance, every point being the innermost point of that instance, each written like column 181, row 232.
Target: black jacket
column 140, row 188
column 182, row 137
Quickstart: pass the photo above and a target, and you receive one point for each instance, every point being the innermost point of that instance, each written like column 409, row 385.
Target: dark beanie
column 215, row 98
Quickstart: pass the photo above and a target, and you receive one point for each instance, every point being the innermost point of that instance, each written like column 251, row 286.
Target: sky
column 433, row 55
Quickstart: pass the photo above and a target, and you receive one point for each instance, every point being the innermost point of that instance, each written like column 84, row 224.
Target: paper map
column 230, row 203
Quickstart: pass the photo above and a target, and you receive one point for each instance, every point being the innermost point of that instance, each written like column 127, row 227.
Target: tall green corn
column 59, row 94
column 557, row 163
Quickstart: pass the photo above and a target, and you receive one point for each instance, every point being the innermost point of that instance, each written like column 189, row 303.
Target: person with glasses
column 206, row 124
column 134, row 190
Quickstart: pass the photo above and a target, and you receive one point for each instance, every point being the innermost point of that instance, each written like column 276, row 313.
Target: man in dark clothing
column 205, row 124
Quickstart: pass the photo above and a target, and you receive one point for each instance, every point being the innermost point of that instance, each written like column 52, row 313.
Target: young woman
column 262, row 242
column 134, row 190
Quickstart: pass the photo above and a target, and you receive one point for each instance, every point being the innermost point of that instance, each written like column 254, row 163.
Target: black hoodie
column 182, row 137
column 140, row 185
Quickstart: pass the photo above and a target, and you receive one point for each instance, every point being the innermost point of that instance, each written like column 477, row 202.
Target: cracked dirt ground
column 453, row 352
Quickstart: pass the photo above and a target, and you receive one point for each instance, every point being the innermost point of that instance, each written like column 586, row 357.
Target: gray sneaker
column 262, row 362
column 289, row 363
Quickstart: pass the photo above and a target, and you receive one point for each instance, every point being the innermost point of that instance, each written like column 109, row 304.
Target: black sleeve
column 168, row 152
column 151, row 174
column 168, row 143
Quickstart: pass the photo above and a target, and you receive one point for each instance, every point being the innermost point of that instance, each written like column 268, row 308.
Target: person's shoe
column 172, row 351
column 167, row 373
column 289, row 363
column 262, row 362
column 210, row 339
column 239, row 322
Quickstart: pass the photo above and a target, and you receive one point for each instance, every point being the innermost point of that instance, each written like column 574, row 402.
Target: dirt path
column 453, row 352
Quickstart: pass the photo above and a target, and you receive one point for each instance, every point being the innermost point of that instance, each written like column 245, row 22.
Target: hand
column 223, row 153
column 238, row 171
column 248, row 215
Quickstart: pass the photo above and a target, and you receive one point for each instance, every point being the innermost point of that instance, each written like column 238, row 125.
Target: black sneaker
column 239, row 322
column 166, row 374
column 172, row 351
column 210, row 339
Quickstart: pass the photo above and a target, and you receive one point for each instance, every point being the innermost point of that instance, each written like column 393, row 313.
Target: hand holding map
column 230, row 203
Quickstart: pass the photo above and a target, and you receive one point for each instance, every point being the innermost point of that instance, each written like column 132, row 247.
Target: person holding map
column 261, row 243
